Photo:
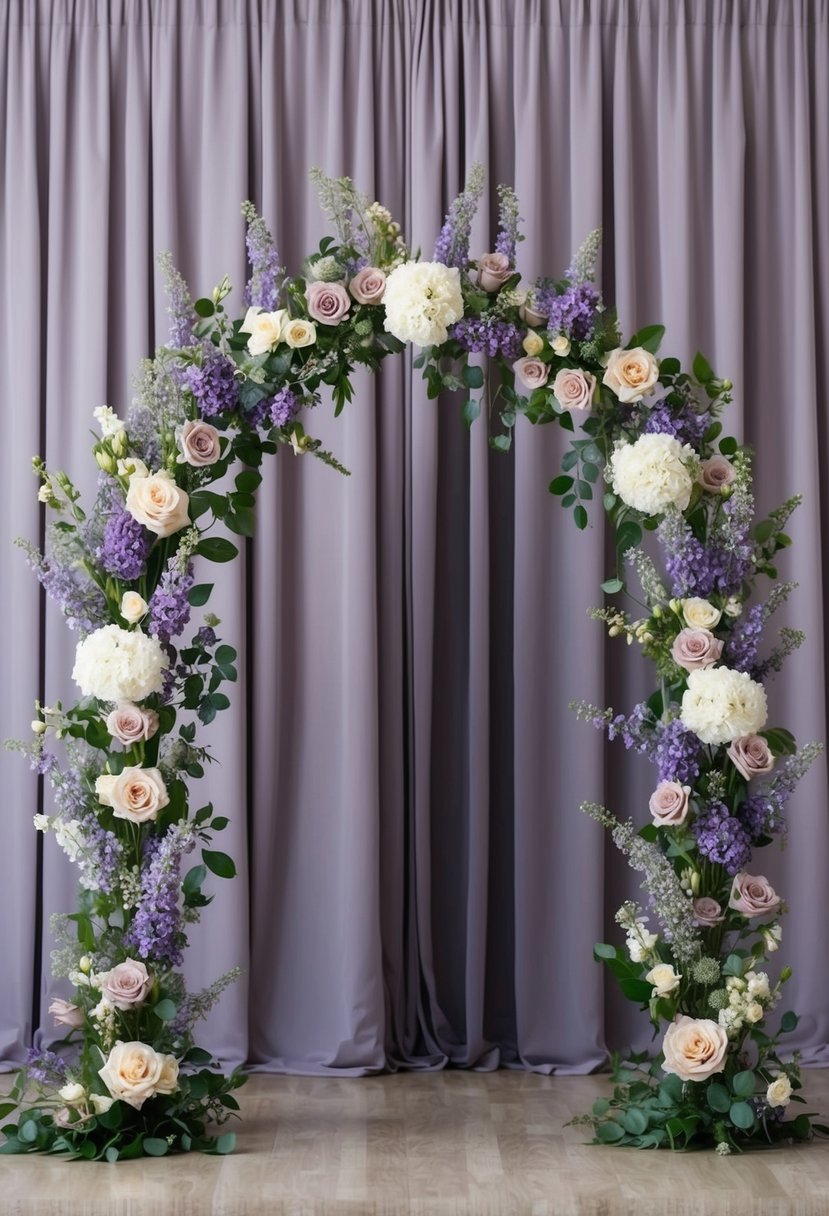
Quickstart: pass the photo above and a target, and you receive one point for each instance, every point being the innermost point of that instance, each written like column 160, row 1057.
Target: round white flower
column 265, row 329
column 133, row 607
column 72, row 1094
column 779, row 1091
column 421, row 300
column 664, row 979
column 700, row 614
column 116, row 664
column 720, row 705
column 561, row 346
column 655, row 472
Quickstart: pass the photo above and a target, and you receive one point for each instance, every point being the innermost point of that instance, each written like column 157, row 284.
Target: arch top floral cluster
column 127, row 1078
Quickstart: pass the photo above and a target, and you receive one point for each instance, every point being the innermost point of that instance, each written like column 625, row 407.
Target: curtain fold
column 401, row 771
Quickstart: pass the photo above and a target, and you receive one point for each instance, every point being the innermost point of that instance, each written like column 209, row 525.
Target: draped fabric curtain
column 401, row 771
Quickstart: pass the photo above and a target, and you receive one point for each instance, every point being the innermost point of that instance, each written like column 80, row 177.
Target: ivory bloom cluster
column 654, row 473
column 721, row 705
column 422, row 299
column 115, row 664
column 268, row 329
column 135, row 1072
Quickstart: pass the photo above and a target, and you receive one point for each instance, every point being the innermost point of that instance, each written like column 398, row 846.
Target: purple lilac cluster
column 206, row 637
column 100, row 863
column 744, row 641
column 509, row 223
column 44, row 764
column 573, row 313
column 262, row 288
column 762, row 814
column 125, row 546
column 452, row 245
column 488, row 335
column 697, row 569
column 685, row 424
column 213, row 384
column 635, row 731
column 71, row 794
column 676, row 753
column 45, row 1066
column 156, row 927
column 283, row 407
column 81, row 602
column 179, row 304
column 722, row 838
column 169, row 603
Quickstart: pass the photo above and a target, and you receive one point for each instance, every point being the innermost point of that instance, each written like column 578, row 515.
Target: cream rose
column 131, row 466
column 168, row 1080
column 200, row 444
column 573, row 389
column 100, row 1103
column 753, row 895
column 128, row 984
column 700, row 614
column 561, row 346
column 668, row 803
column 751, row 756
column 631, row 374
column 299, row 332
column 663, row 979
column 158, row 503
column 493, row 271
column 696, row 648
column 532, row 373
column 130, row 724
column 720, row 705
column 694, row 1048
column 133, row 607
column 779, row 1091
column 136, row 794
column 132, row 1072
column 716, row 473
column 72, row 1094
column 533, row 343
column 65, row 1013
column 707, row 912
column 327, row 302
column 368, row 285
column 265, row 329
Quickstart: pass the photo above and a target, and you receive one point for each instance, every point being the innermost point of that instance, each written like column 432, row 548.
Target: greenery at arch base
column 127, row 1078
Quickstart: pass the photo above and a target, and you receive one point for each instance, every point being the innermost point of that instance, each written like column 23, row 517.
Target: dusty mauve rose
column 573, row 389
column 707, row 912
column 199, row 443
column 696, row 648
column 130, row 723
column 493, row 271
column 753, row 895
column 532, row 373
column 126, row 985
column 716, row 473
column 137, row 794
column 327, row 302
column 158, row 503
column 668, row 803
column 751, row 756
column 694, row 1048
column 368, row 285
column 132, row 1072
column 65, row 1013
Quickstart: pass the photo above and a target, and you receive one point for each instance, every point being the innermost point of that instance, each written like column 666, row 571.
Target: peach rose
column 696, row 648
column 126, row 985
column 158, row 503
column 694, row 1048
column 532, row 373
column 327, row 302
column 668, row 803
column 199, row 443
column 136, row 794
column 751, row 756
column 716, row 473
column 493, row 271
column 707, row 912
column 573, row 389
column 753, row 895
column 130, row 723
column 631, row 374
column 65, row 1013
column 368, row 285
column 132, row 1072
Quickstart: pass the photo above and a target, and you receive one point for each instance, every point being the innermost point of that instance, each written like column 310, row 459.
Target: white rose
column 115, row 664
column 136, row 794
column 653, row 473
column 631, row 374
column 72, row 1094
column 754, row 1012
column 720, row 705
column 299, row 332
column 132, row 1072
column 104, row 785
column 561, row 346
column 533, row 343
column 131, row 466
column 158, row 503
column 699, row 614
column 265, row 329
column 779, row 1091
column 100, row 1103
column 694, row 1048
column 663, row 979
column 422, row 299
column 133, row 607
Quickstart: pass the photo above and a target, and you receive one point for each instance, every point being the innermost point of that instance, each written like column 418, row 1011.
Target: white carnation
column 655, row 472
column 421, row 300
column 116, row 664
column 721, row 705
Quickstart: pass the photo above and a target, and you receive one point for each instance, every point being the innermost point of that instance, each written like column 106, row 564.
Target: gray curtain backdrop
column 402, row 773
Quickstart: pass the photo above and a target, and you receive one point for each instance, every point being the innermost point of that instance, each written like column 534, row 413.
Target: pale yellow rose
column 131, row 466
column 104, row 786
column 132, row 1072
column 72, row 1094
column 100, row 1103
column 779, row 1091
column 158, row 503
column 631, row 374
column 694, row 1048
column 533, row 343
column 664, row 979
column 699, row 614
column 265, row 329
column 299, row 332
column 133, row 607
column 561, row 346
column 168, row 1080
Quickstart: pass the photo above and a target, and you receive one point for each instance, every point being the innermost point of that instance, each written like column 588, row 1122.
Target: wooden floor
column 441, row 1144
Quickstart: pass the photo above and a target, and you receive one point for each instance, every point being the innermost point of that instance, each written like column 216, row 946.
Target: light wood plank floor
column 440, row 1144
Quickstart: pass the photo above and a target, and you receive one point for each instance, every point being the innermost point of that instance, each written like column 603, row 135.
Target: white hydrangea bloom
column 720, row 705
column 654, row 473
column 115, row 664
column 421, row 300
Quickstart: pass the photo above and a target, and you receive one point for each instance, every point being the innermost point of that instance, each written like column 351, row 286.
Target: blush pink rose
column 327, row 302
column 696, row 648
column 751, row 756
column 493, row 271
column 368, row 285
column 65, row 1013
column 694, row 1048
column 669, row 803
column 126, row 985
column 753, row 895
column 707, row 912
column 531, row 372
column 130, row 724
column 573, row 389
column 716, row 473
column 199, row 443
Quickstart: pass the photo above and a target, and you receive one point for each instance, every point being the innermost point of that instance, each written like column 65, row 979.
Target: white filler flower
column 655, row 472
column 421, row 300
column 115, row 664
column 720, row 705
